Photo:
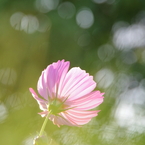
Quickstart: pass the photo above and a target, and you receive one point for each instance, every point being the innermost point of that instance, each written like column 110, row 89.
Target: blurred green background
column 104, row 37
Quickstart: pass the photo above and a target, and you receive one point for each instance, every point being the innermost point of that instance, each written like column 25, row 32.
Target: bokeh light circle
column 66, row 10
column 85, row 18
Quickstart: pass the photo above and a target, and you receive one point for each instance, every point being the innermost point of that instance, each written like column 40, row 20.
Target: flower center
column 55, row 107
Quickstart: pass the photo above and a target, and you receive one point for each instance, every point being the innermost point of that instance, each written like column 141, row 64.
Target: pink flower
column 67, row 94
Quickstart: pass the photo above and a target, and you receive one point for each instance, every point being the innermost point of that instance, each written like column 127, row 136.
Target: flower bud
column 42, row 140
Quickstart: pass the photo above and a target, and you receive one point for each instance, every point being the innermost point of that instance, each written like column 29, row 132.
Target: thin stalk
column 44, row 124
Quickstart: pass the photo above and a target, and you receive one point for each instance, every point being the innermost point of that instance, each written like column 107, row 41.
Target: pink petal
column 71, row 122
column 43, row 114
column 60, row 120
column 41, row 86
column 77, row 83
column 42, row 103
column 86, row 102
column 80, row 117
column 51, row 79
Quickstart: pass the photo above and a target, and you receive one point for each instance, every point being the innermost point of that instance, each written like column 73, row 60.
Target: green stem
column 44, row 124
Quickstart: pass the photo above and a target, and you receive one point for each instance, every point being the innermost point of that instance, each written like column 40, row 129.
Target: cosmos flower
column 67, row 94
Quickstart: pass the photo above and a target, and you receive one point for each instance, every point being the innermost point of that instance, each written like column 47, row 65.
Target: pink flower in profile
column 67, row 94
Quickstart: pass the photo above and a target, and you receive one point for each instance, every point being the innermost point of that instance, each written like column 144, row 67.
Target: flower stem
column 44, row 124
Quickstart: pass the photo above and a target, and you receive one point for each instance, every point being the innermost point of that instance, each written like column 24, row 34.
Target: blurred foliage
column 104, row 37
